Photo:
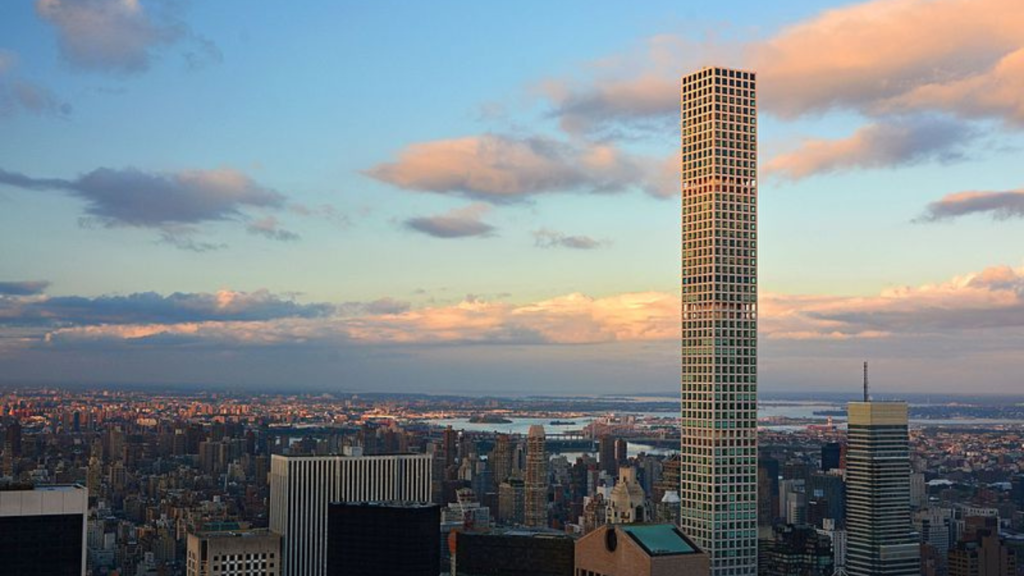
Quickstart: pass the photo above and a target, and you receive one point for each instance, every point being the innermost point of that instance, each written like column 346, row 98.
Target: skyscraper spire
column 867, row 397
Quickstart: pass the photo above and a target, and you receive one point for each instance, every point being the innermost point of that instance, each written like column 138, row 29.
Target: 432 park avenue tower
column 718, row 475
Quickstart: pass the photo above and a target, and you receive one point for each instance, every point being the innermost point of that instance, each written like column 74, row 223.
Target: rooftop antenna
column 867, row 398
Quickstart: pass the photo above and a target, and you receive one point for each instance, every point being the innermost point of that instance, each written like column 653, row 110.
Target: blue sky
column 471, row 189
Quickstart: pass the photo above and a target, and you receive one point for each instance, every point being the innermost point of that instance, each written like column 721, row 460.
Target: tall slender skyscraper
column 878, row 523
column 718, row 474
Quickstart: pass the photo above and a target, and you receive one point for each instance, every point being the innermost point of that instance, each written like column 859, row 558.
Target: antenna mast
column 867, row 398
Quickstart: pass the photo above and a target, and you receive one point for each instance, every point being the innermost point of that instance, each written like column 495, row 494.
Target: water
column 765, row 409
column 518, row 425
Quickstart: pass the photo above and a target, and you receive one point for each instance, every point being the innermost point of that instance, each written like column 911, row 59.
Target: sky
column 466, row 197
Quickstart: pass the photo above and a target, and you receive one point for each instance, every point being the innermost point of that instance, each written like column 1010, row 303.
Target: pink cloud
column 858, row 55
column 994, row 93
column 874, row 57
column 880, row 145
column 500, row 168
column 990, row 299
column 1001, row 205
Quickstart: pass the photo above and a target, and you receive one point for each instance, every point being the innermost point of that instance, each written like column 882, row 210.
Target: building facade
column 638, row 550
column 718, row 488
column 301, row 487
column 513, row 553
column 797, row 551
column 981, row 552
column 536, row 486
column 42, row 530
column 383, row 540
column 233, row 553
column 880, row 540
column 627, row 502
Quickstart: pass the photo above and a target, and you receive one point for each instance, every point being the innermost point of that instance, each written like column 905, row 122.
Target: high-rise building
column 606, row 455
column 627, row 502
column 43, row 530
column 880, row 536
column 233, row 553
column 501, row 459
column 621, row 451
column 934, row 526
column 718, row 490
column 383, row 540
column 981, row 552
column 302, row 486
column 768, row 506
column 511, row 501
column 12, row 439
column 831, row 456
column 1017, row 491
column 918, row 490
column 797, row 550
column 827, row 496
column 449, row 440
column 536, row 485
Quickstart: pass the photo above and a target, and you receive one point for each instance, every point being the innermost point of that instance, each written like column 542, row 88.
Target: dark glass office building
column 375, row 539
column 42, row 530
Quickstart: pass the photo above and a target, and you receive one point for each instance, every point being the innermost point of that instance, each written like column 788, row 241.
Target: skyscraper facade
column 718, row 485
column 301, row 487
column 233, row 553
column 42, row 530
column 536, row 513
column 880, row 537
column 383, row 540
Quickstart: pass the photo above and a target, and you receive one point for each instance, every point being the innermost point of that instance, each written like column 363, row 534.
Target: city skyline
column 339, row 198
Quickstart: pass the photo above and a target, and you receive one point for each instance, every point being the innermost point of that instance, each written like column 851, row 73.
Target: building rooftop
column 385, row 504
column 29, row 487
column 659, row 539
column 236, row 533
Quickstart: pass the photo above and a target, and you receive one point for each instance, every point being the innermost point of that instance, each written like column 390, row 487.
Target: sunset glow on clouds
column 990, row 299
column 342, row 195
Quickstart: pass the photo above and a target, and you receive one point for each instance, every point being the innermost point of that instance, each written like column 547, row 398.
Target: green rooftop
column 659, row 539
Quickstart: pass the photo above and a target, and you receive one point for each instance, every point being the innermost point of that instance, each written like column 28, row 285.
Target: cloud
column 374, row 307
column 637, row 91
column 545, row 238
column 500, row 168
column 36, row 99
column 990, row 299
column 19, row 94
column 8, row 60
column 994, row 93
column 960, row 57
column 894, row 142
column 153, row 308
column 969, row 326
column 975, row 303
column 23, row 288
column 1001, row 205
column 459, row 223
column 570, row 319
column 858, row 56
column 173, row 203
column 270, row 228
column 112, row 35
column 131, row 197
column 182, row 239
column 632, row 101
